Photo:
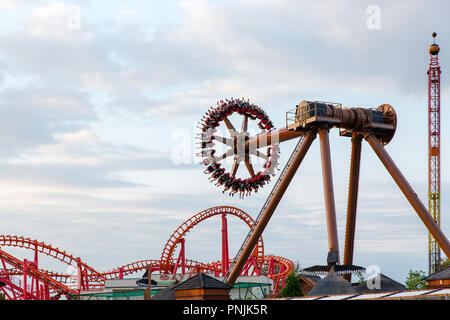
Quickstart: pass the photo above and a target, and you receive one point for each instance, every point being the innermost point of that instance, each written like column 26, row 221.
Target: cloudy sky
column 99, row 101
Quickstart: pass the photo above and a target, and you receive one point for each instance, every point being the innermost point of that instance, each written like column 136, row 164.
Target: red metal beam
column 225, row 254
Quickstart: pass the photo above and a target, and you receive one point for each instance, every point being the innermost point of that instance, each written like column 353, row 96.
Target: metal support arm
column 355, row 164
column 328, row 190
column 272, row 205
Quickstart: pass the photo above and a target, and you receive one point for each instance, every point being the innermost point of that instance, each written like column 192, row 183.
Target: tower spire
column 434, row 152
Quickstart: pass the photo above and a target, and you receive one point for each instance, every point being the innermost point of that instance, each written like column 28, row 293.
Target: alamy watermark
column 373, row 21
column 73, row 281
column 74, row 18
column 373, row 277
column 187, row 149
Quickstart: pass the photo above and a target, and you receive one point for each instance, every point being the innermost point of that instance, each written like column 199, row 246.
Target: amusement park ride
column 23, row 279
column 309, row 119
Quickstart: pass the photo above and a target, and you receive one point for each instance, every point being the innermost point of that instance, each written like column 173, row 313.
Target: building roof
column 310, row 279
column 202, row 281
column 443, row 274
column 440, row 294
column 165, row 294
column 332, row 284
column 386, row 284
column 313, row 278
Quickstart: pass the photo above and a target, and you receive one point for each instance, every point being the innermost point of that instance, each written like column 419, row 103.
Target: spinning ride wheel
column 217, row 148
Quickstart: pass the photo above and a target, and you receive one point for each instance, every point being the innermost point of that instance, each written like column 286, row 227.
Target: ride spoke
column 235, row 166
column 259, row 154
column 227, row 154
column 230, row 126
column 244, row 125
column 227, row 141
column 249, row 166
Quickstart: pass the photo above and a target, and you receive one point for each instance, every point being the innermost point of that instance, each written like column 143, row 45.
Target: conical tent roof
column 202, row 281
column 332, row 284
column 386, row 284
column 443, row 274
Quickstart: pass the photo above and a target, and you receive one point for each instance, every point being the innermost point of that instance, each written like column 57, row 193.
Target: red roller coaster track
column 187, row 226
column 24, row 280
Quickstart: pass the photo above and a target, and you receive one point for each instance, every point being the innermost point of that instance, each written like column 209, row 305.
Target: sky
column 100, row 99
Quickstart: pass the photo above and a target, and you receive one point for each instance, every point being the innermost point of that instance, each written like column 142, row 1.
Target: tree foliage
column 360, row 277
column 292, row 287
column 445, row 263
column 298, row 268
column 415, row 281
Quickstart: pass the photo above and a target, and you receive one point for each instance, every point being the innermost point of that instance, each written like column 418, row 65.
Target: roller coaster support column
column 35, row 253
column 46, row 292
column 34, row 282
column 35, row 263
column 225, row 255
column 355, row 164
column 181, row 258
column 25, row 275
column 412, row 197
column 271, row 206
column 83, row 282
column 333, row 244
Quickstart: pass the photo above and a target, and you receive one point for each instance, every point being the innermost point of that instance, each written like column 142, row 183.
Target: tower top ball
column 434, row 48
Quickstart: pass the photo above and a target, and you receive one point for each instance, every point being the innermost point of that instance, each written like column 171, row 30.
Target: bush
column 415, row 280
column 292, row 287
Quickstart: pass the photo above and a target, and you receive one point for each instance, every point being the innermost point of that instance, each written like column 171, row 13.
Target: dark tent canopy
column 386, row 284
column 332, row 284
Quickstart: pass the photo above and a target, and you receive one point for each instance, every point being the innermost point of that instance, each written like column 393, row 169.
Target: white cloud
column 55, row 19
column 11, row 3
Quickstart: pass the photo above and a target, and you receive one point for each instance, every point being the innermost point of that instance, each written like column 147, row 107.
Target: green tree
column 445, row 263
column 298, row 268
column 2, row 296
column 292, row 287
column 360, row 276
column 415, row 281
